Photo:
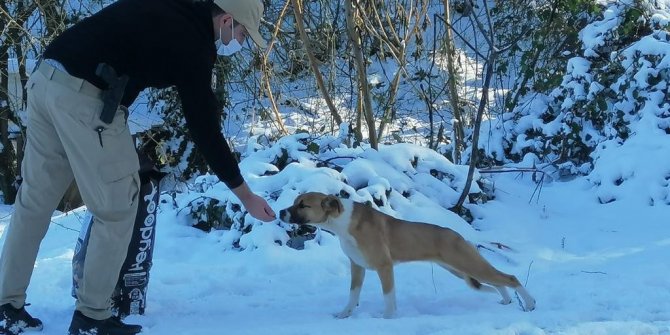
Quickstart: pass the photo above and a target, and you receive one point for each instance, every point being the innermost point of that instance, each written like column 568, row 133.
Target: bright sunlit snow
column 593, row 251
column 593, row 268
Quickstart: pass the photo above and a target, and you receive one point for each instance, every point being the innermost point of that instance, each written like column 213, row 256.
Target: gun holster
column 112, row 96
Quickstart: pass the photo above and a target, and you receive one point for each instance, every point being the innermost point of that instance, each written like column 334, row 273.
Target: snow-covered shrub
column 619, row 71
column 642, row 124
column 281, row 170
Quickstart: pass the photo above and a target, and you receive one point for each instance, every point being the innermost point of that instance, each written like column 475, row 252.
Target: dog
column 376, row 241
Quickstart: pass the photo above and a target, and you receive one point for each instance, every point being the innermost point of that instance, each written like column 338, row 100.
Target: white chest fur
column 340, row 226
column 350, row 248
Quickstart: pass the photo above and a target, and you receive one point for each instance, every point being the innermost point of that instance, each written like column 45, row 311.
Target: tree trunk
column 265, row 70
column 359, row 118
column 457, row 126
column 8, row 162
column 12, row 22
column 7, row 154
column 389, row 114
column 478, row 122
column 313, row 62
column 361, row 71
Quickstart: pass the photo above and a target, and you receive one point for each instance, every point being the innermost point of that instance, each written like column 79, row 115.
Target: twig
column 338, row 157
column 516, row 294
column 313, row 61
column 528, row 273
column 595, row 272
column 507, row 259
column 508, row 170
column 6, row 216
column 538, row 190
column 62, row 226
column 538, row 187
column 502, row 246
column 265, row 77
column 465, row 40
column 190, row 202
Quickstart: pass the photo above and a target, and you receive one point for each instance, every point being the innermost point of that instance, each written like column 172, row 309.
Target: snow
column 593, row 268
column 625, row 164
column 593, row 251
column 594, row 38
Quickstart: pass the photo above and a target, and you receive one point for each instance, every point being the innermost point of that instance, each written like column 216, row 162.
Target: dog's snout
column 284, row 215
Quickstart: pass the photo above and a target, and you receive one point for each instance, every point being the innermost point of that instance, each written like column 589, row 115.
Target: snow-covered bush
column 385, row 179
column 615, row 84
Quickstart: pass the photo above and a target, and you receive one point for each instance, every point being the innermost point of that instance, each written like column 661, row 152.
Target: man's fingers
column 265, row 214
column 262, row 216
column 270, row 212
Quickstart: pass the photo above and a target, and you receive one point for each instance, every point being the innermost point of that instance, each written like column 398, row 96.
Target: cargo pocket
column 116, row 170
column 121, row 179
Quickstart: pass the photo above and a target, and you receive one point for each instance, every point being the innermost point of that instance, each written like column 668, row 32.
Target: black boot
column 83, row 325
column 15, row 321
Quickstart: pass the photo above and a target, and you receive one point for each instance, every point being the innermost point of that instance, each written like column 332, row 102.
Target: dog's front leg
column 357, row 276
column 386, row 276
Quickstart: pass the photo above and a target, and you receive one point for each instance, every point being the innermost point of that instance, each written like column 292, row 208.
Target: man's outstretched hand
column 259, row 208
column 255, row 205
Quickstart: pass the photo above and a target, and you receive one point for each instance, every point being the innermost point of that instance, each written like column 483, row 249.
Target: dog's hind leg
column 453, row 272
column 497, row 278
column 503, row 279
column 472, row 282
column 357, row 277
column 506, row 298
column 528, row 300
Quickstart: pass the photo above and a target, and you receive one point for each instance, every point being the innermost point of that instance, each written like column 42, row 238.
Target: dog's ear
column 332, row 204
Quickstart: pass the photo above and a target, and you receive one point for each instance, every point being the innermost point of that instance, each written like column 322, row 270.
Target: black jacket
column 157, row 43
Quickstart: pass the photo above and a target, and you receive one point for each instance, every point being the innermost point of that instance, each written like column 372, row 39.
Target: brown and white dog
column 376, row 241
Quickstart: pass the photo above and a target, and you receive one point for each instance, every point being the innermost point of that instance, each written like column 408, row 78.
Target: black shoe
column 83, row 325
column 15, row 321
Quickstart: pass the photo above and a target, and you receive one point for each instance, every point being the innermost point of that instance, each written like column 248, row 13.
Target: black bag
column 130, row 294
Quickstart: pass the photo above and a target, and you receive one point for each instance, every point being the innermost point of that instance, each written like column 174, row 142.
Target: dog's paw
column 505, row 302
column 530, row 306
column 389, row 314
column 343, row 314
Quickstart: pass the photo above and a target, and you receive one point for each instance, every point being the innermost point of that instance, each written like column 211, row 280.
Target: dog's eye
column 301, row 205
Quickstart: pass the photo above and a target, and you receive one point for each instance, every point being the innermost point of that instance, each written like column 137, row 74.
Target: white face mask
column 231, row 48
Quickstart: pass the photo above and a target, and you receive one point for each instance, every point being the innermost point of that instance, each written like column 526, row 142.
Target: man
column 155, row 43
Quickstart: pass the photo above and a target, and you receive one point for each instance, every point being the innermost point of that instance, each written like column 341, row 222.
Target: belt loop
column 37, row 65
column 50, row 72
column 81, row 85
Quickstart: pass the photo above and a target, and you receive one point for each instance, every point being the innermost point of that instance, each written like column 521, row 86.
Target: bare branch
column 313, row 62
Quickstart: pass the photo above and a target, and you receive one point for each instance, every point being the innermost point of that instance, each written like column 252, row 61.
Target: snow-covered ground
column 593, row 269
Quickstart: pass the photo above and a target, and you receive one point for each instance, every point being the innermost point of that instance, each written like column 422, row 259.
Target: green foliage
column 597, row 95
column 170, row 144
column 543, row 35
column 208, row 214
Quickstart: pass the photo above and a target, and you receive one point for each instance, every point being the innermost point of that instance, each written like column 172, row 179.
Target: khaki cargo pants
column 62, row 144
